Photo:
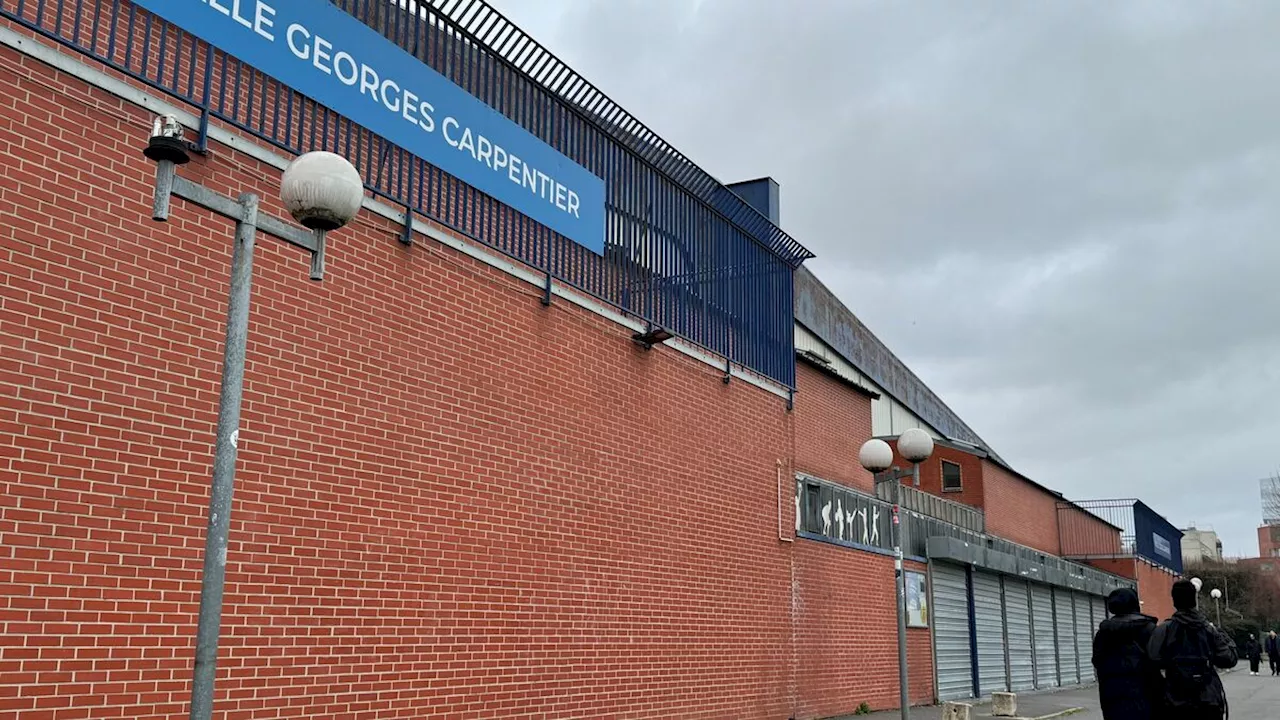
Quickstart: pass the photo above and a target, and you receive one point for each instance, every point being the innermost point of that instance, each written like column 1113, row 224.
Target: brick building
column 1268, row 541
column 463, row 488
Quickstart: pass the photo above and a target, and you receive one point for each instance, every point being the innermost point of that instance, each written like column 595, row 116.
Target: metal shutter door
column 951, row 632
column 1017, row 619
column 1099, row 612
column 988, row 620
column 1064, row 609
column 1084, row 636
column 1045, row 630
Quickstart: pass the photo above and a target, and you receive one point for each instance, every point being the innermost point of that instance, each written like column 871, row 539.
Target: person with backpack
column 1189, row 650
column 1129, row 685
column 1273, row 652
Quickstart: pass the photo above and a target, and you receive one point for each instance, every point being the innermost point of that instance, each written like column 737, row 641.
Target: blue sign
column 338, row 61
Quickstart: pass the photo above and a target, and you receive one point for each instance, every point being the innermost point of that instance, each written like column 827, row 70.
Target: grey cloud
column 1059, row 214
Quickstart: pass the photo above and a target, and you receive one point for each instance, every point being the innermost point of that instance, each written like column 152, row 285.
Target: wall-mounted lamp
column 653, row 336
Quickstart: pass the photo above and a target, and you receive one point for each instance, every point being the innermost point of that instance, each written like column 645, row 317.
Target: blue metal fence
column 682, row 251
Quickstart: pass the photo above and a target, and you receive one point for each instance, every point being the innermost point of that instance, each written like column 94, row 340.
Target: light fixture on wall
column 655, row 335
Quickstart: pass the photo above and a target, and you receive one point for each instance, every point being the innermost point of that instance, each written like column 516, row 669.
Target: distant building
column 1201, row 546
column 1269, row 540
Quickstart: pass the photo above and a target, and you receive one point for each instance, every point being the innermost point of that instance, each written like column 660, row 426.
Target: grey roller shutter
column 1017, row 621
column 988, row 620
column 1064, row 609
column 1045, row 631
column 951, row 632
column 1099, row 612
column 1084, row 635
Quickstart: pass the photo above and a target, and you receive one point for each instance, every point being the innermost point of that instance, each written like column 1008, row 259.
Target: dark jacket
column 1178, row 641
column 1273, row 646
column 1129, row 685
column 1252, row 650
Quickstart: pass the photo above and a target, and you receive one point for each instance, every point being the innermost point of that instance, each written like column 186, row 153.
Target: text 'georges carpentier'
column 326, row 54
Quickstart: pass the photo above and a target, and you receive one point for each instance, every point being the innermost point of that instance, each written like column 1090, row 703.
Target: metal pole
column 899, row 586
column 224, row 463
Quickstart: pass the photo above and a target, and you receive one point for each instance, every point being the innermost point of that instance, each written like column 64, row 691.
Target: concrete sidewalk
column 1079, row 702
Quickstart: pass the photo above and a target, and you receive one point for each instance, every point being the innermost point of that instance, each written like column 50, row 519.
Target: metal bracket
column 546, row 291
column 201, row 146
column 791, row 400
column 406, row 232
column 728, row 371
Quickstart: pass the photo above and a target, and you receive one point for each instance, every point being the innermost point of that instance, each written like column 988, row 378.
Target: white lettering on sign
column 322, row 52
column 404, row 102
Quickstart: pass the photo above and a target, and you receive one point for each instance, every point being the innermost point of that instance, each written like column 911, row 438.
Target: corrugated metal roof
column 822, row 313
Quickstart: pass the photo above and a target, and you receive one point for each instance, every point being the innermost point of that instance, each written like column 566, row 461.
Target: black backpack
column 1190, row 679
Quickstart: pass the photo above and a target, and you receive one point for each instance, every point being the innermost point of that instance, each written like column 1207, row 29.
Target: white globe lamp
column 1197, row 582
column 321, row 190
column 915, row 445
column 1215, row 593
column 876, row 455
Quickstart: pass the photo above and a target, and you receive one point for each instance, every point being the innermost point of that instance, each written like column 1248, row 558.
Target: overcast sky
column 1062, row 216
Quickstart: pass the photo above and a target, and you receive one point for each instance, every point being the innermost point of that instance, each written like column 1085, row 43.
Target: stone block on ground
column 957, row 711
column 1004, row 704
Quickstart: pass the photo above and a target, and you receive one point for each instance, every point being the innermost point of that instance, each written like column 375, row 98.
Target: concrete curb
column 1059, row 714
column 1050, row 716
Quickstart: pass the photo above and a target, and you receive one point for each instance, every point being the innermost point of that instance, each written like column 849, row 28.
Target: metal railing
column 851, row 517
column 681, row 250
column 949, row 511
column 1095, row 529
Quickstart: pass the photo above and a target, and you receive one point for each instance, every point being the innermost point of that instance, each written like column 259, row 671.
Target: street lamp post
column 915, row 446
column 1216, row 594
column 323, row 192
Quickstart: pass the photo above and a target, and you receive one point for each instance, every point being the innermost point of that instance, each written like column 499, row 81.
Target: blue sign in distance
column 338, row 61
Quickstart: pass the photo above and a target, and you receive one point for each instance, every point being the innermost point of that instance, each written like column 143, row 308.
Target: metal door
column 1065, row 621
column 988, row 620
column 1045, row 630
column 1017, row 623
column 1084, row 635
column 951, row 632
column 1099, row 612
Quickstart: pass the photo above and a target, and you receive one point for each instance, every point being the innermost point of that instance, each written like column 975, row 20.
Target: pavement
column 1251, row 698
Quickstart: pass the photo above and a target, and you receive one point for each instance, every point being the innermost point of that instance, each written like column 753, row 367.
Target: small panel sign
column 917, row 600
column 1163, row 549
column 338, row 61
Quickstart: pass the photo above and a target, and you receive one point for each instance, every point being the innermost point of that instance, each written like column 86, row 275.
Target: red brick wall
column 1084, row 534
column 1124, row 567
column 931, row 474
column 1269, row 541
column 447, row 496
column 1155, row 588
column 1155, row 584
column 848, row 642
column 1018, row 510
column 831, row 422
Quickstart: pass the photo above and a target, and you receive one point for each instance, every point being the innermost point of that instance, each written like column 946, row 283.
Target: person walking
column 1253, row 651
column 1273, row 652
column 1129, row 685
column 1188, row 650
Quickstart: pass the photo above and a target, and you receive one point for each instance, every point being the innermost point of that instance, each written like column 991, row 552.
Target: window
column 951, row 477
column 813, row 507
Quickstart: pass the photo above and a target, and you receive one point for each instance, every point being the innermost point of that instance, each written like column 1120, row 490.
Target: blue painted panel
column 345, row 65
column 1156, row 539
